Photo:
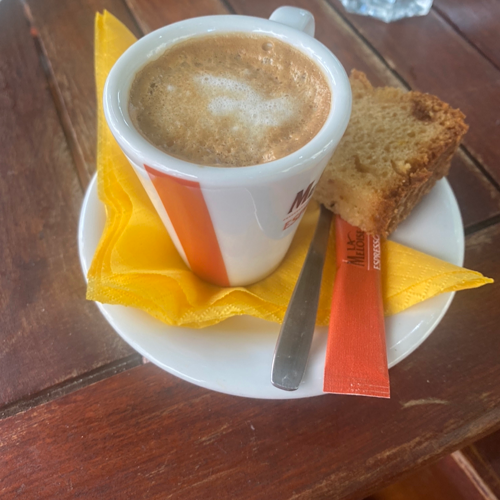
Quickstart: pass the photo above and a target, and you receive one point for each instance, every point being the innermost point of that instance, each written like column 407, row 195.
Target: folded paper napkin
column 136, row 263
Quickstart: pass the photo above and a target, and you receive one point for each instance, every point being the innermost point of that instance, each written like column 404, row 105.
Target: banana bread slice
column 396, row 146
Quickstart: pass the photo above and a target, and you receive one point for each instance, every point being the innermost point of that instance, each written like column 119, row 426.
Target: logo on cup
column 299, row 206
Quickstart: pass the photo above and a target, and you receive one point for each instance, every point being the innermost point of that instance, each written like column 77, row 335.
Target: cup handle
column 299, row 19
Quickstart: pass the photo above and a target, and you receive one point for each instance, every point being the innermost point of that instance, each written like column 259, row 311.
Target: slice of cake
column 396, row 146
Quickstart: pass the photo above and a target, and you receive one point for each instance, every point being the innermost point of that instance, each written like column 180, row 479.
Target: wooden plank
column 444, row 480
column 333, row 32
column 154, row 14
column 478, row 22
column 66, row 29
column 484, row 455
column 49, row 332
column 478, row 200
column 432, row 57
column 66, row 34
column 477, row 197
column 146, row 434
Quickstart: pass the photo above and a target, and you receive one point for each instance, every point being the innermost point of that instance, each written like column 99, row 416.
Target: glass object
column 388, row 10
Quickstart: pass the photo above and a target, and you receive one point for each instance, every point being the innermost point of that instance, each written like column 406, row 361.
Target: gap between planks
column 228, row 6
column 62, row 113
column 442, row 15
column 474, row 228
column 469, row 470
column 83, row 176
column 71, row 385
column 77, row 153
column 404, row 84
column 134, row 19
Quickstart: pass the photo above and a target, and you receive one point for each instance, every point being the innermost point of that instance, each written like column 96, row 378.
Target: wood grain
column 477, row 22
column 432, row 57
column 444, row 480
column 49, row 333
column 66, row 34
column 333, row 32
column 484, row 455
column 154, row 14
column 146, row 434
column 477, row 197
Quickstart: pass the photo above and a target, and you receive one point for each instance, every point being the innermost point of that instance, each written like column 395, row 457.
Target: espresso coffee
column 230, row 100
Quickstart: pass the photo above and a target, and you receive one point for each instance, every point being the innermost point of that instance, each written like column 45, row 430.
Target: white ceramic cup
column 232, row 226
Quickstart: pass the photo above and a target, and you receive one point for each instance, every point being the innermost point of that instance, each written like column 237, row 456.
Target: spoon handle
column 294, row 341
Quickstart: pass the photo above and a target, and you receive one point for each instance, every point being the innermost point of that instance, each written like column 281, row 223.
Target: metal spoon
column 294, row 341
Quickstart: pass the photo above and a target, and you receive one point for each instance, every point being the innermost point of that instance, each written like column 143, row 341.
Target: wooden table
column 84, row 417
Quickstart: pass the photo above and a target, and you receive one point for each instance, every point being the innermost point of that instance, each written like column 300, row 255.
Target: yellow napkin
column 136, row 263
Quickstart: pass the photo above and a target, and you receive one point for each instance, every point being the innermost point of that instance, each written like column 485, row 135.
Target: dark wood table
column 84, row 417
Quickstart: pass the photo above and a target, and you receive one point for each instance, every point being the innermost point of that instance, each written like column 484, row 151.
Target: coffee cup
column 231, row 226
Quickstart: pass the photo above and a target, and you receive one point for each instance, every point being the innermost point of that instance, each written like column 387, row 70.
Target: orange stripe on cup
column 188, row 212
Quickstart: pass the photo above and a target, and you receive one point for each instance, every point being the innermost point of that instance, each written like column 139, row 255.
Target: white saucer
column 235, row 356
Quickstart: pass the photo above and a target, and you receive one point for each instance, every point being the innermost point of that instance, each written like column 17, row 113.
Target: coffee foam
column 244, row 103
column 230, row 100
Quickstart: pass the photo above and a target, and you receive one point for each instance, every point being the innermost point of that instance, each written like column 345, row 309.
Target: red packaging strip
column 356, row 358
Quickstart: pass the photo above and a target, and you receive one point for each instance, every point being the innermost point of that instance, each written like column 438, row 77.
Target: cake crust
column 396, row 147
